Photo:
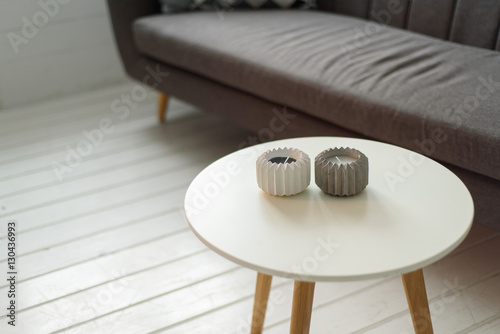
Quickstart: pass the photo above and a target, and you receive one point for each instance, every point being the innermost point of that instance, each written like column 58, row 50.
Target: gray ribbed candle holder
column 341, row 171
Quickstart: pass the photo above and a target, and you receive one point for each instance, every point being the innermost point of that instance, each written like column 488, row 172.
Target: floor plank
column 135, row 289
column 85, row 249
column 44, row 152
column 154, row 162
column 62, row 105
column 458, row 312
column 33, row 171
column 488, row 327
column 175, row 306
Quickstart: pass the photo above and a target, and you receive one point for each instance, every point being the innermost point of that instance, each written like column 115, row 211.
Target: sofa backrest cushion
column 470, row 22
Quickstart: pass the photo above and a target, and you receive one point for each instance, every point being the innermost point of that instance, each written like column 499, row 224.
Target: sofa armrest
column 123, row 13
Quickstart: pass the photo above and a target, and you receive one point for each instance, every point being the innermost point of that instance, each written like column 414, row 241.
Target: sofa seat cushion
column 439, row 98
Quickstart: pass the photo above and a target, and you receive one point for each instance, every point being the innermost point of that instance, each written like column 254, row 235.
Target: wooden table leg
column 417, row 301
column 262, row 289
column 303, row 293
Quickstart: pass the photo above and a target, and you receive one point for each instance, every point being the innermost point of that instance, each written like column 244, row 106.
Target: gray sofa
column 421, row 74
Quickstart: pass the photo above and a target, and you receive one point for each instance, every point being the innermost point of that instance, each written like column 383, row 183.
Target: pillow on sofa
column 169, row 6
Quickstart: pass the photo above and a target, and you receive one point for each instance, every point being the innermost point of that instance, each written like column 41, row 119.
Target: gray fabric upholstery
column 485, row 192
column 476, row 25
column 239, row 107
column 357, row 8
column 471, row 22
column 123, row 13
column 498, row 41
column 389, row 12
column 431, row 17
column 393, row 86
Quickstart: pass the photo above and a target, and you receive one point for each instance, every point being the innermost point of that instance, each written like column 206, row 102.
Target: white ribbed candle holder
column 283, row 171
column 341, row 171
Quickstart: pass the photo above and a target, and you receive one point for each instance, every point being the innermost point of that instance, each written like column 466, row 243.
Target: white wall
column 72, row 51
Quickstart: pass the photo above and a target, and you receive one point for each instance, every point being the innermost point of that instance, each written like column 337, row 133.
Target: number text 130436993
column 11, row 272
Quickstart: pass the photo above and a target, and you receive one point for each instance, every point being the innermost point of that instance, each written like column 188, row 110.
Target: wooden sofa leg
column 162, row 106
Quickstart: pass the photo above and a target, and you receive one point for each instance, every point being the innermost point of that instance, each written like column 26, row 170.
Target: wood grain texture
column 418, row 304
column 262, row 289
column 303, row 294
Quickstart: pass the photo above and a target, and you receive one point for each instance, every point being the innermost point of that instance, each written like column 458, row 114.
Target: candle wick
column 336, row 157
column 286, row 159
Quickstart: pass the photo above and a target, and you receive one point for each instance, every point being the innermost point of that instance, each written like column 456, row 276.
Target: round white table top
column 413, row 212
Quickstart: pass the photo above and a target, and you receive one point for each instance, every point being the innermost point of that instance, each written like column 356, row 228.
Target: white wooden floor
column 107, row 249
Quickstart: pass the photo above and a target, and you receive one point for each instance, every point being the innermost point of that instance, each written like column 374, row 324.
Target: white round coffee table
column 413, row 212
